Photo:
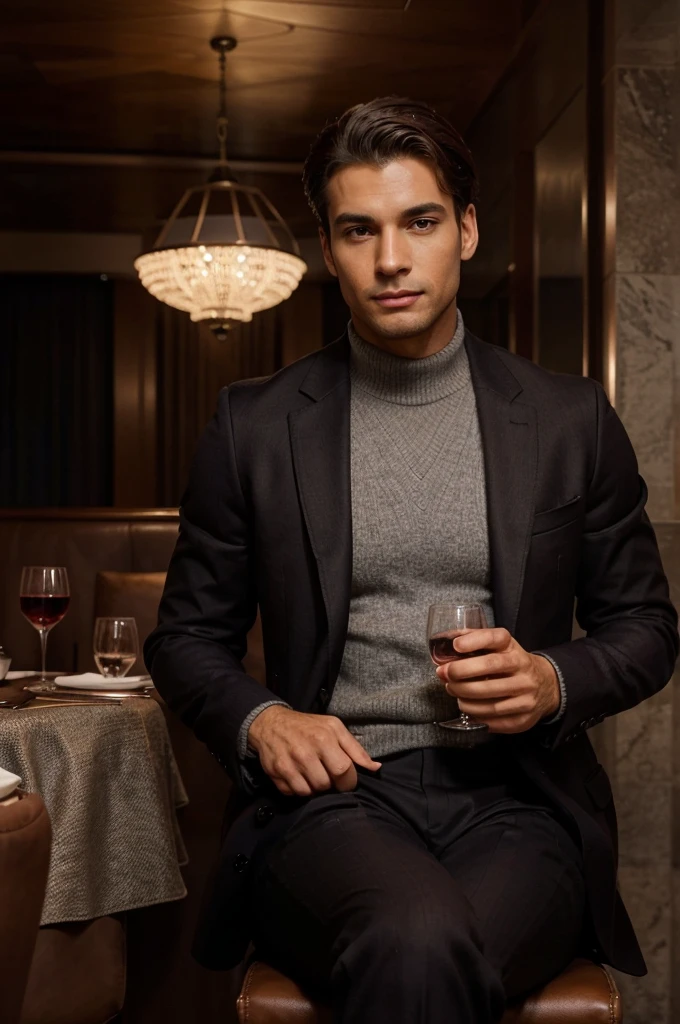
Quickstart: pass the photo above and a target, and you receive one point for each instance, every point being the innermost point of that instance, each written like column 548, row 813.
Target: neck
column 403, row 381
column 417, row 346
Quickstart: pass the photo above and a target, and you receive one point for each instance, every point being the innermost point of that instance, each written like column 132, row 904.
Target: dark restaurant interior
column 109, row 113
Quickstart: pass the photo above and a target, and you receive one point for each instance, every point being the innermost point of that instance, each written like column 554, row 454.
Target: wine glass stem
column 43, row 650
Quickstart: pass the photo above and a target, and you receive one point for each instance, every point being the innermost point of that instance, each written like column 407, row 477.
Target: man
column 408, row 464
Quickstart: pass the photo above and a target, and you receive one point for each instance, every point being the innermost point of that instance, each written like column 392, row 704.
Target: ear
column 327, row 254
column 469, row 233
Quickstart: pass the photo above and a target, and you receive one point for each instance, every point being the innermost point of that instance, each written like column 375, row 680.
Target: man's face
column 395, row 246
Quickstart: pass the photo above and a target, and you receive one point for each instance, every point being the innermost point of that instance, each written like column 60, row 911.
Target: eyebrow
column 413, row 211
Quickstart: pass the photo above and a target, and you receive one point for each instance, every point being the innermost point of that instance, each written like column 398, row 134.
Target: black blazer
column 266, row 519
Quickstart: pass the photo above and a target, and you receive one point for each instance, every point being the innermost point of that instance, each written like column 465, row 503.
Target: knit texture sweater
column 419, row 537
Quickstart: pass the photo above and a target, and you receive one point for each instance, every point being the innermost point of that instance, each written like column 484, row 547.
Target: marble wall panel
column 644, row 746
column 647, row 308
column 646, row 32
column 648, row 190
column 647, row 893
column 674, row 1014
column 646, row 777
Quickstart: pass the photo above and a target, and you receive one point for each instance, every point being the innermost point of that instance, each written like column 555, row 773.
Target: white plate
column 94, row 685
column 20, row 675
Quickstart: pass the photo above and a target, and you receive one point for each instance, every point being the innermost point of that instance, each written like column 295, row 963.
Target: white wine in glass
column 116, row 645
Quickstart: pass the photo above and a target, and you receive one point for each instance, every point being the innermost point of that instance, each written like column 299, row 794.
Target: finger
column 512, row 724
column 360, row 756
column 504, row 663
column 299, row 785
column 487, row 689
column 316, row 776
column 347, row 781
column 482, row 639
column 289, row 774
column 488, row 709
column 336, row 762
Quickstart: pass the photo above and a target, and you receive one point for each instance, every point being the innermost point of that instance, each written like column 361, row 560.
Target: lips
column 397, row 300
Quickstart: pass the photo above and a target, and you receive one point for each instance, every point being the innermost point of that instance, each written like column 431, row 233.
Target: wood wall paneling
column 135, row 396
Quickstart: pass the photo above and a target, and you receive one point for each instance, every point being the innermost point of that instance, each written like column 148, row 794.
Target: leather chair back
column 25, row 840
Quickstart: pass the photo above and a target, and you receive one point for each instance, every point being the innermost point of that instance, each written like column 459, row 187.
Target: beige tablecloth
column 109, row 780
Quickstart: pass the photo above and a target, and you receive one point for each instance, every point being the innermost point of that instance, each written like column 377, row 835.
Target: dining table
column 108, row 776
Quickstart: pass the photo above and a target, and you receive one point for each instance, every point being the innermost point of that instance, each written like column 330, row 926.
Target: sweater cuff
column 242, row 741
column 563, row 690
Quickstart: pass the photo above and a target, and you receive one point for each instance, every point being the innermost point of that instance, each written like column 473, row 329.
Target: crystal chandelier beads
column 225, row 253
column 220, row 282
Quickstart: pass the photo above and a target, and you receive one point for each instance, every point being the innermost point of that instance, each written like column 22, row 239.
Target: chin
column 402, row 325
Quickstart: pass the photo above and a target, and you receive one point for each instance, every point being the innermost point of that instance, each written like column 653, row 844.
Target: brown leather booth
column 86, row 541
column 24, row 860
column 105, row 551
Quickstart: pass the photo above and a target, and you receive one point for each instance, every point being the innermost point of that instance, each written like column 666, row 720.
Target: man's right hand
column 304, row 753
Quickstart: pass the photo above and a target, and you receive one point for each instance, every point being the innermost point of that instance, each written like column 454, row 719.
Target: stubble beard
column 396, row 327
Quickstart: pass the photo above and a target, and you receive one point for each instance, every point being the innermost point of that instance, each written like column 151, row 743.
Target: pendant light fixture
column 225, row 253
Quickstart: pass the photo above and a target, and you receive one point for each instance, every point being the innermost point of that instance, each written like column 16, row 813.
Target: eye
column 361, row 231
column 423, row 223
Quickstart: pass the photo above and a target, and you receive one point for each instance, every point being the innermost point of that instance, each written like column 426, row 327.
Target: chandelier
column 225, row 253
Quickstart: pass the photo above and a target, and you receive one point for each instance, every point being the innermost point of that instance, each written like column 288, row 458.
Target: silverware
column 16, row 701
column 36, row 706
column 42, row 691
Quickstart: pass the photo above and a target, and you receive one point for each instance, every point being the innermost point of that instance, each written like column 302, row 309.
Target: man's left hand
column 500, row 683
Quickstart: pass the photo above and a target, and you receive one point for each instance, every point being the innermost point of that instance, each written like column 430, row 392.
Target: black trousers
column 437, row 890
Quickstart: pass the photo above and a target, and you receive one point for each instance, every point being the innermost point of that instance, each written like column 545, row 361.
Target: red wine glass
column 44, row 597
column 444, row 623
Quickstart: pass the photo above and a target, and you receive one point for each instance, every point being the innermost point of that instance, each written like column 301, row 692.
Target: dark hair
column 383, row 130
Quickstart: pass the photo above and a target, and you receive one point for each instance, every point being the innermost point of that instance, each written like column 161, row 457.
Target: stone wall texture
column 642, row 746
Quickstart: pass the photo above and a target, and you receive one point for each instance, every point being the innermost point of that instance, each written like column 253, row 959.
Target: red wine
column 442, row 649
column 44, row 610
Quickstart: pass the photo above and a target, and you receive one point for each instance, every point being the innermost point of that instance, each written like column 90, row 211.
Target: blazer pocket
column 554, row 518
column 599, row 788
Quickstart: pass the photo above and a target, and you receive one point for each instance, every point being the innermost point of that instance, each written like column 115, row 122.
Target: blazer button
column 324, row 697
column 263, row 815
column 241, row 862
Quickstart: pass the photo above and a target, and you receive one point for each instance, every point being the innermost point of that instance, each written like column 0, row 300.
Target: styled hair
column 388, row 129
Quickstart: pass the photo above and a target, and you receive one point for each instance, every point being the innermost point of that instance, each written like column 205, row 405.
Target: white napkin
column 95, row 681
column 8, row 783
column 20, row 675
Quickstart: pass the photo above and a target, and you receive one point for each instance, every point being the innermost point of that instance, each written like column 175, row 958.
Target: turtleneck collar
column 406, row 381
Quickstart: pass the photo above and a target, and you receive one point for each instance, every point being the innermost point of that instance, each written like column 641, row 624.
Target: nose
column 392, row 254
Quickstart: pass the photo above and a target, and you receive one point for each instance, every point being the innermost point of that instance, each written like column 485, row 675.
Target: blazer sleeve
column 209, row 604
column 622, row 596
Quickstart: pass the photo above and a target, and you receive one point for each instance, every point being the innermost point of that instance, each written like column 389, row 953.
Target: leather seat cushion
column 78, row 973
column 583, row 994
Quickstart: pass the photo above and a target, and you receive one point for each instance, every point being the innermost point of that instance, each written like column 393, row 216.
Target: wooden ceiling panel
column 138, row 76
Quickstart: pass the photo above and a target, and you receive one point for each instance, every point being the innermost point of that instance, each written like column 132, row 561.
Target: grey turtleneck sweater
column 419, row 537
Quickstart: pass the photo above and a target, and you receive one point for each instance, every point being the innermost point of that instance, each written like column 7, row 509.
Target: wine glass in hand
column 444, row 623
column 116, row 646
column 44, row 598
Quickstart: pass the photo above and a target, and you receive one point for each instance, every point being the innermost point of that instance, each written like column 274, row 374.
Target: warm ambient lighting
column 225, row 253
column 224, row 266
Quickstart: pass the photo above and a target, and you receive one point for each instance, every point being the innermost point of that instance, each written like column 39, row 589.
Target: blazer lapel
column 320, row 444
column 508, row 429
